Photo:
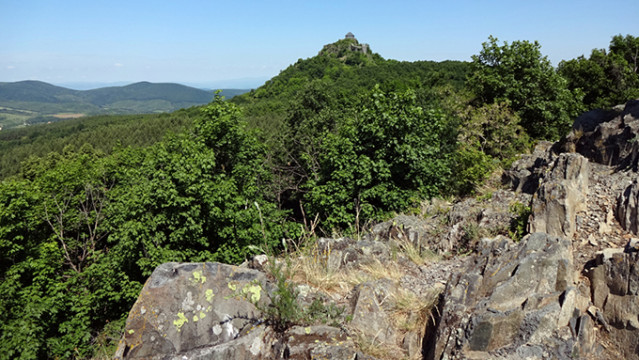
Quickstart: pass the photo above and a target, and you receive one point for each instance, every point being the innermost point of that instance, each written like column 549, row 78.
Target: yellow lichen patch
column 195, row 318
column 232, row 286
column 255, row 291
column 307, row 330
column 198, row 277
column 202, row 315
column 180, row 321
column 209, row 295
column 131, row 331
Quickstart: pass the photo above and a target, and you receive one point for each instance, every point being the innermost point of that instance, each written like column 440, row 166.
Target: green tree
column 520, row 75
column 58, row 287
column 628, row 48
column 606, row 78
column 494, row 130
column 196, row 197
column 387, row 156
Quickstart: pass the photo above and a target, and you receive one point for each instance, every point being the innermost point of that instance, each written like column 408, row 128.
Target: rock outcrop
column 628, row 208
column 615, row 294
column 194, row 310
column 514, row 299
column 606, row 137
column 526, row 172
column 561, row 195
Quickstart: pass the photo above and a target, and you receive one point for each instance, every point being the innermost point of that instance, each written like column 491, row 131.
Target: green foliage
column 489, row 136
column 520, row 75
column 284, row 310
column 324, row 311
column 389, row 155
column 82, row 231
column 470, row 167
column 519, row 224
column 194, row 198
column 59, row 285
column 495, row 130
column 628, row 48
column 606, row 78
column 103, row 133
column 346, row 74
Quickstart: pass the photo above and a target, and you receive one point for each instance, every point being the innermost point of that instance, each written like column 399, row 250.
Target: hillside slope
column 30, row 102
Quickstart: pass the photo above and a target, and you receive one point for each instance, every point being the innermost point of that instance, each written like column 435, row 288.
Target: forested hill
column 29, row 102
column 341, row 73
column 347, row 67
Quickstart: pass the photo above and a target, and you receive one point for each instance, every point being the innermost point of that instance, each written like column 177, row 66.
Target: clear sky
column 215, row 42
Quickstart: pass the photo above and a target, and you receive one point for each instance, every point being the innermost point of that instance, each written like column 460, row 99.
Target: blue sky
column 215, row 43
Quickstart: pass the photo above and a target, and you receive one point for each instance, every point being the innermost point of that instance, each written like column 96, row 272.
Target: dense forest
column 89, row 207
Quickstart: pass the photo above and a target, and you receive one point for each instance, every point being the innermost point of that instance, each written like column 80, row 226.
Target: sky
column 239, row 43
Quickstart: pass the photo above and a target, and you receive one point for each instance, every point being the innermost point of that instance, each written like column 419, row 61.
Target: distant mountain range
column 27, row 102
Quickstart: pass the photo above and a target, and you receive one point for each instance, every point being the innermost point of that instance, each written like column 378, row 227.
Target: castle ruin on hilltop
column 357, row 46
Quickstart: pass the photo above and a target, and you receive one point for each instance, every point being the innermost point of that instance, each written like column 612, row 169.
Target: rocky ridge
column 448, row 283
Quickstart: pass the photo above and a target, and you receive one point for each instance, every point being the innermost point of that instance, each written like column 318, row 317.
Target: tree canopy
column 520, row 75
column 607, row 78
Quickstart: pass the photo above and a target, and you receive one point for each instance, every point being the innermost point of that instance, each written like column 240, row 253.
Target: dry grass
column 411, row 312
column 434, row 207
column 407, row 311
column 378, row 349
column 417, row 255
column 314, row 271
column 376, row 270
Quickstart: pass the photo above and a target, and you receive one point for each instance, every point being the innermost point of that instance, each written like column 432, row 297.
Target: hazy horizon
column 252, row 83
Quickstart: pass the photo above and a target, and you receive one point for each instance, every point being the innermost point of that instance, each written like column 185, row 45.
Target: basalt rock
column 514, row 299
column 561, row 195
column 627, row 211
column 369, row 315
column 526, row 172
column 614, row 280
column 606, row 136
column 202, row 311
column 347, row 252
column 422, row 234
column 198, row 311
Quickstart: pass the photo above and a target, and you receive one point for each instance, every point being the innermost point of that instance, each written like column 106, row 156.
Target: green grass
column 8, row 121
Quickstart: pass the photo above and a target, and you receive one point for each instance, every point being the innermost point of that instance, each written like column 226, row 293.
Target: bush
column 519, row 224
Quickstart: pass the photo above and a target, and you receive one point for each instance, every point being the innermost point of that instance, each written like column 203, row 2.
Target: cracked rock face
column 604, row 136
column 511, row 298
column 194, row 309
column 615, row 288
column 198, row 311
column 627, row 210
column 562, row 194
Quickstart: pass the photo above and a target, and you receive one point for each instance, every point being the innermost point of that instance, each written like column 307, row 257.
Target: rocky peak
column 348, row 50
